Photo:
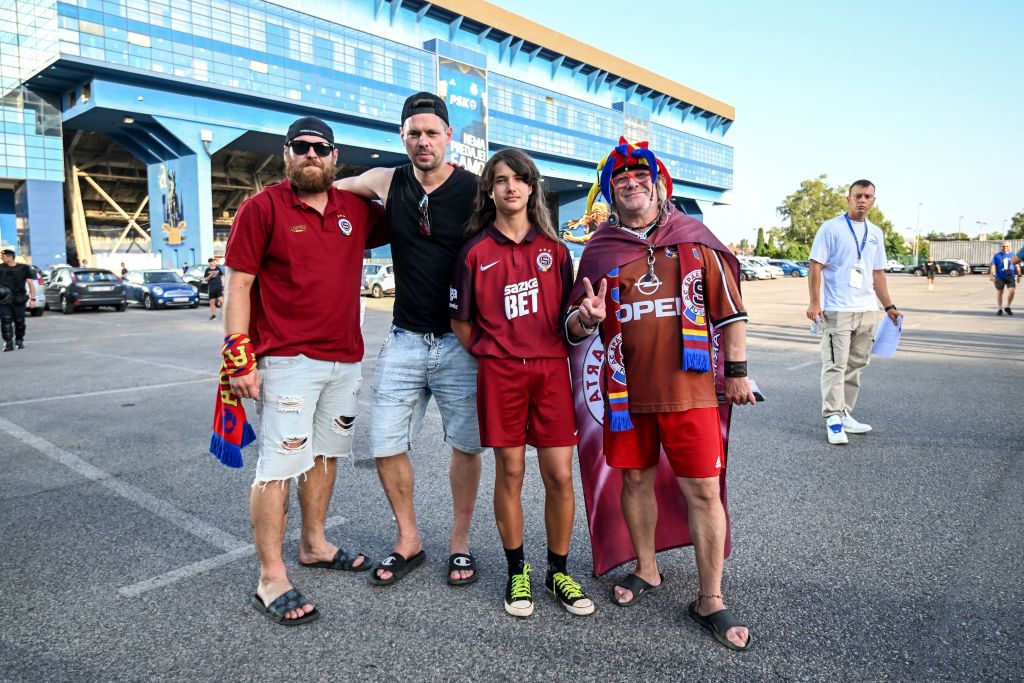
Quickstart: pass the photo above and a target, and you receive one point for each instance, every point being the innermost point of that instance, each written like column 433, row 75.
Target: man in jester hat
column 661, row 377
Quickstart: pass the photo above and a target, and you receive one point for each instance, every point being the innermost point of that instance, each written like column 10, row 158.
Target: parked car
column 159, row 289
column 37, row 275
column 789, row 268
column 950, row 268
column 805, row 264
column 892, row 266
column 72, row 288
column 760, row 271
column 378, row 279
column 774, row 270
column 747, row 273
column 194, row 276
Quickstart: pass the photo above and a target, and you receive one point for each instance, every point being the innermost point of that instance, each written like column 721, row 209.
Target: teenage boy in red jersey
column 511, row 283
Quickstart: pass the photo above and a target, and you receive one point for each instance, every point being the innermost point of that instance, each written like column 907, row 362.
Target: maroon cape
column 602, row 485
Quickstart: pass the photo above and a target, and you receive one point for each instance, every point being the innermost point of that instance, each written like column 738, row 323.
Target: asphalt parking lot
column 127, row 556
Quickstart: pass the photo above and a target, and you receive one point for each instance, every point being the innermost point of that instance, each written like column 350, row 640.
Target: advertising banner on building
column 464, row 90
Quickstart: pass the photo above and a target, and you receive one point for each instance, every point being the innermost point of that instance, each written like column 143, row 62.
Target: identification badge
column 857, row 277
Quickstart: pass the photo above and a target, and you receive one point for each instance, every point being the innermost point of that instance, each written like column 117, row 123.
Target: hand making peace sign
column 592, row 308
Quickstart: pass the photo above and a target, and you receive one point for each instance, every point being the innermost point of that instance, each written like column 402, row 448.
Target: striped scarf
column 231, row 431
column 696, row 348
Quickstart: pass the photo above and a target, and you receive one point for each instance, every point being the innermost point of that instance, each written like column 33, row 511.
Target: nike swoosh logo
column 483, row 268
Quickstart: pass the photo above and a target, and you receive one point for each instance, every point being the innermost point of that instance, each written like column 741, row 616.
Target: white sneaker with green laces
column 834, row 429
column 851, row 426
column 569, row 593
column 518, row 597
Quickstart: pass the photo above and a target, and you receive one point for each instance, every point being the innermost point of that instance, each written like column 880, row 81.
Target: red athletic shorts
column 525, row 402
column 692, row 441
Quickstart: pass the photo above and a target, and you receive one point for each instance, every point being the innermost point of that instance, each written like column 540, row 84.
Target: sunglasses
column 639, row 177
column 301, row 147
column 424, row 207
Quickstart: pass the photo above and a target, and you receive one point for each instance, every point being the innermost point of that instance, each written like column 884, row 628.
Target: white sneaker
column 851, row 426
column 834, row 429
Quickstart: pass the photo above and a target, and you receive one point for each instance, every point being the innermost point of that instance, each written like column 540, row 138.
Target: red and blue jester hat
column 626, row 156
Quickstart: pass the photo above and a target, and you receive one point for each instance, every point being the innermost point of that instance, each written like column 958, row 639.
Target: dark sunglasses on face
column 301, row 147
column 424, row 207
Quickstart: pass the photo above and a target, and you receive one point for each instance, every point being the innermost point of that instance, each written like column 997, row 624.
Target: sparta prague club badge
column 545, row 261
column 345, row 226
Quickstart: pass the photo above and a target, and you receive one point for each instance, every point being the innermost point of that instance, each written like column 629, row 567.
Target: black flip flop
column 398, row 565
column 637, row 586
column 342, row 562
column 462, row 562
column 719, row 623
column 275, row 611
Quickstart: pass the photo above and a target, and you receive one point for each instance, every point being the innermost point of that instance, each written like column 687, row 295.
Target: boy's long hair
column 484, row 210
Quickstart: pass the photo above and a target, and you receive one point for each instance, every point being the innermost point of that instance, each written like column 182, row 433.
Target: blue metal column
column 8, row 220
column 39, row 205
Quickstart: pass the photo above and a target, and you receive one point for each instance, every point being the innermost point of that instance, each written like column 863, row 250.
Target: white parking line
column 179, row 518
column 147, row 362
column 105, row 392
column 196, row 568
column 804, row 365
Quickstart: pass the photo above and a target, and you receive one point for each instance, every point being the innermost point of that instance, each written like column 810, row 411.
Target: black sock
column 557, row 563
column 515, row 560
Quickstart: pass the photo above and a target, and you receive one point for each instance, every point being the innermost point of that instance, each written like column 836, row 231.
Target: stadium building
column 133, row 126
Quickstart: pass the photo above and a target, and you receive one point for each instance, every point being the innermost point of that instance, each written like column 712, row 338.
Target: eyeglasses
column 424, row 207
column 301, row 147
column 639, row 177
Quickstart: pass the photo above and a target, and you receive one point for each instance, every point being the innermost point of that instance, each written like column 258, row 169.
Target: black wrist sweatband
column 735, row 368
column 890, row 307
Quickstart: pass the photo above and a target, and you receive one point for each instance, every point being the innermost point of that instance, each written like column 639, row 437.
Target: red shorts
column 525, row 402
column 692, row 440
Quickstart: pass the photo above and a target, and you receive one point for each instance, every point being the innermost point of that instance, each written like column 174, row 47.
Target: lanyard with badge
column 857, row 272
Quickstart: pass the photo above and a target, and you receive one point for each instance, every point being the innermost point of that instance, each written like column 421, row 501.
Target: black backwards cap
column 7, row 252
column 425, row 103
column 310, row 125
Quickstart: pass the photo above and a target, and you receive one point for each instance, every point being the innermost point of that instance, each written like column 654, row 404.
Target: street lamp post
column 960, row 224
column 917, row 231
column 981, row 229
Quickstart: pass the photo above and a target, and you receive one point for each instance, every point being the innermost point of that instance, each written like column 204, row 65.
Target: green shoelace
column 521, row 584
column 564, row 584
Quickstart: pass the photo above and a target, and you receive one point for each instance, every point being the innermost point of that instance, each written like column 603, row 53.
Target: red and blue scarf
column 231, row 431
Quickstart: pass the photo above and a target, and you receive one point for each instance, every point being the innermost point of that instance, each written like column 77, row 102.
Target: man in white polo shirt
column 849, row 254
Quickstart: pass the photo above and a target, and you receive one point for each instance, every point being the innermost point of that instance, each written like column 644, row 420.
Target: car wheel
column 36, row 312
column 377, row 292
column 954, row 273
column 121, row 307
column 148, row 303
column 918, row 273
column 195, row 305
column 66, row 307
column 794, row 273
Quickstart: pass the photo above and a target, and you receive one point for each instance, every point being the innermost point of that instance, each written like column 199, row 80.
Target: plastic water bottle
column 817, row 327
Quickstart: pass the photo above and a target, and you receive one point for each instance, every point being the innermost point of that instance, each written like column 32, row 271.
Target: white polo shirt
column 835, row 247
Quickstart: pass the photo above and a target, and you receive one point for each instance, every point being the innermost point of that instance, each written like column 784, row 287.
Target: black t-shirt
column 15, row 278
column 216, row 282
column 424, row 266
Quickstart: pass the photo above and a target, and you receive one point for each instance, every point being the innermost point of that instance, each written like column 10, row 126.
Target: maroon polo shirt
column 307, row 267
column 513, row 294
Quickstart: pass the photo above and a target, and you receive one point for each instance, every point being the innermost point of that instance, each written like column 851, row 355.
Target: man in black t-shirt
column 213, row 276
column 13, row 276
column 428, row 203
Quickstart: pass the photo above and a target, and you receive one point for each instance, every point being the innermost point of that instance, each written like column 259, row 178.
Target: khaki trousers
column 845, row 351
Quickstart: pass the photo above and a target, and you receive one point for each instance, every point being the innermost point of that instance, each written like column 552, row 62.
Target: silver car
column 378, row 279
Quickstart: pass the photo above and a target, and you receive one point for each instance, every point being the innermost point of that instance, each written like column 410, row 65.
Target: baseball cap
column 7, row 252
column 425, row 103
column 310, row 125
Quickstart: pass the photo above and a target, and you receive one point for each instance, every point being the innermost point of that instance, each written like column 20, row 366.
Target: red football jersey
column 307, row 266
column 513, row 294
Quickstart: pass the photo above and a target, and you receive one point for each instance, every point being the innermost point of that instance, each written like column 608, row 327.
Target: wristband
column 890, row 307
column 589, row 329
column 735, row 368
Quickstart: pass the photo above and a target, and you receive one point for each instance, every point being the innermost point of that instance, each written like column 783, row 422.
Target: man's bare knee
column 342, row 425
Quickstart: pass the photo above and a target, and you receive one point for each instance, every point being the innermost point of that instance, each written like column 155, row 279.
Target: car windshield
column 162, row 276
column 370, row 270
column 95, row 276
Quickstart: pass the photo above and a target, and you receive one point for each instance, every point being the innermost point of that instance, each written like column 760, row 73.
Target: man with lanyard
column 213, row 276
column 12, row 311
column 292, row 247
column 1004, row 274
column 848, row 253
column 666, row 278
column 428, row 203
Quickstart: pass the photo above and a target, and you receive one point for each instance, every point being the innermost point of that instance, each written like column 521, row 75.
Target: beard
column 311, row 176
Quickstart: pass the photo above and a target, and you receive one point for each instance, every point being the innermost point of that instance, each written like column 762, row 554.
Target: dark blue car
column 159, row 289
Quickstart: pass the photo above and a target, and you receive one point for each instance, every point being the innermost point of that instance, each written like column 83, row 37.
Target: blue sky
column 925, row 99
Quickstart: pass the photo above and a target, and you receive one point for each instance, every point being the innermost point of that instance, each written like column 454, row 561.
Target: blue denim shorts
column 411, row 368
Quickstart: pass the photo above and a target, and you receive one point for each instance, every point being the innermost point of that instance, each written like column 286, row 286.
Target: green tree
column 1016, row 231
column 995, row 235
column 759, row 247
column 945, row 236
column 744, row 244
column 810, row 206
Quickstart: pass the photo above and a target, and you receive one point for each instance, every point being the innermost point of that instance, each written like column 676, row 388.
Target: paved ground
column 126, row 549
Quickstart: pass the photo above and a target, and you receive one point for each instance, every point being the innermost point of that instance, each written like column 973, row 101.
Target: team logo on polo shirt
column 545, row 260
column 693, row 297
column 345, row 226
